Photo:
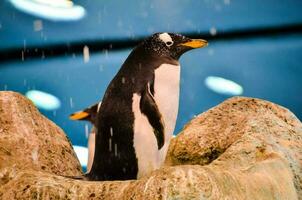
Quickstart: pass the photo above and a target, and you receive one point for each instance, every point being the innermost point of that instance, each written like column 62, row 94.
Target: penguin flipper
column 149, row 108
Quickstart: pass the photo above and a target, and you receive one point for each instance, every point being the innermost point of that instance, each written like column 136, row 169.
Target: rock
column 28, row 140
column 244, row 148
column 249, row 149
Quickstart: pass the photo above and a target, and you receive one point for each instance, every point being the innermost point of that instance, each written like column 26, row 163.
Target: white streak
column 123, row 80
column 213, row 31
column 111, row 131
column 149, row 91
column 86, row 54
column 38, row 25
column 99, row 106
column 22, row 55
column 86, row 130
column 110, row 144
column 115, row 150
column 71, row 102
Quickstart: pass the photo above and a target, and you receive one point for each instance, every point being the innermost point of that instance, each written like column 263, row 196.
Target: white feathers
column 166, row 96
column 91, row 148
column 166, row 38
column 145, row 143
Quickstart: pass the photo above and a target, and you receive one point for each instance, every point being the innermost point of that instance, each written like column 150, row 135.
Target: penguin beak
column 195, row 43
column 79, row 115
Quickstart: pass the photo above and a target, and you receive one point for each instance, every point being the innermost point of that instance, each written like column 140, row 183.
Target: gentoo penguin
column 89, row 114
column 137, row 116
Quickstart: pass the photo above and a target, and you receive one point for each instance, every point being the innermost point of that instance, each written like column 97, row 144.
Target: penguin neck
column 139, row 69
column 145, row 55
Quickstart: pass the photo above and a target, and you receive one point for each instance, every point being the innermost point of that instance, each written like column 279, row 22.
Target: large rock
column 28, row 140
column 242, row 149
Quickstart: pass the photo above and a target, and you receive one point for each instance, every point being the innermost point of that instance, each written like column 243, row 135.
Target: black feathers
column 150, row 109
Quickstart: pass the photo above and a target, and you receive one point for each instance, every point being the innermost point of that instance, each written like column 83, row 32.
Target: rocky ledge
column 244, row 148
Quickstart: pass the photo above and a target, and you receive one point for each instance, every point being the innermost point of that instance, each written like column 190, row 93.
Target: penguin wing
column 149, row 108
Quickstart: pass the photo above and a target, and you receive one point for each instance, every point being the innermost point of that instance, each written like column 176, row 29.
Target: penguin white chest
column 166, row 95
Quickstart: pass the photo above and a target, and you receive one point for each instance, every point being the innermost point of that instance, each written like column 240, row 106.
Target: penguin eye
column 169, row 43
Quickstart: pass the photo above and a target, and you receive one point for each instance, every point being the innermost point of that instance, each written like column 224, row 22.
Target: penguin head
column 171, row 45
column 88, row 114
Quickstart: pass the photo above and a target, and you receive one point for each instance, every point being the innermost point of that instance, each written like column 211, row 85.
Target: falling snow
column 22, row 55
column 115, row 150
column 213, row 31
column 86, row 55
column 106, row 54
column 38, row 25
column 110, row 144
column 111, row 131
column 86, row 131
column 71, row 102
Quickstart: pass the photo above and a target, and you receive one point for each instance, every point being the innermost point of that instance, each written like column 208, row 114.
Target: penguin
column 89, row 114
column 137, row 116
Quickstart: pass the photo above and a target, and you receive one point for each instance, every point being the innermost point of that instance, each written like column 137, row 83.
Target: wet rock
column 244, row 148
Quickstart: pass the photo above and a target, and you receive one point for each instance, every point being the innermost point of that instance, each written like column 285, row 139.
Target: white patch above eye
column 166, row 38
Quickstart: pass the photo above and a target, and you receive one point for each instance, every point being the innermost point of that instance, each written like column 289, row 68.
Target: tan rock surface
column 28, row 140
column 242, row 149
